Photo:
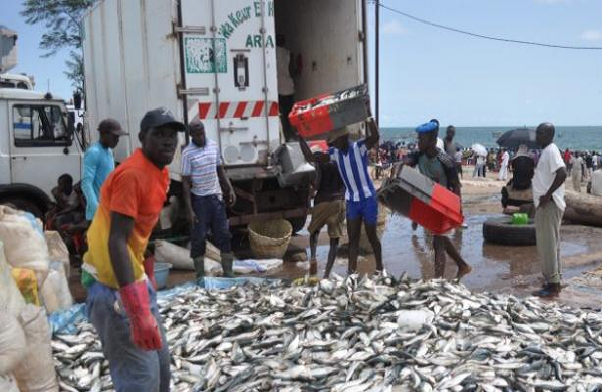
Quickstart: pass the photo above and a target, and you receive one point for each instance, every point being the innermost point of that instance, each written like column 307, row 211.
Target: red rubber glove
column 143, row 325
column 149, row 269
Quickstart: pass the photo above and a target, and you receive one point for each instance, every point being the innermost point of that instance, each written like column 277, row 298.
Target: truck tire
column 298, row 223
column 25, row 205
column 501, row 231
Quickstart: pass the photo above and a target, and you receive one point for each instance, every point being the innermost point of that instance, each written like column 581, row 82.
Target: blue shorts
column 367, row 209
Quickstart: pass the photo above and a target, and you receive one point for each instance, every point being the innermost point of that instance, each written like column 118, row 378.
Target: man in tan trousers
column 548, row 197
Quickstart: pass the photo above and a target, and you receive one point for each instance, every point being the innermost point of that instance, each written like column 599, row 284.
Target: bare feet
column 463, row 270
column 313, row 267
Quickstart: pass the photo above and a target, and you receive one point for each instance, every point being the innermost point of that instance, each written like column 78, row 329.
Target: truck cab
column 23, row 82
column 36, row 147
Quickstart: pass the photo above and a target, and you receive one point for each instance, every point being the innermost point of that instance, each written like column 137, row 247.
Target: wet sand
column 499, row 269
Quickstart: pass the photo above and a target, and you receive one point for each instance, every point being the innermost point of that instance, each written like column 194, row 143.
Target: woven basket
column 270, row 239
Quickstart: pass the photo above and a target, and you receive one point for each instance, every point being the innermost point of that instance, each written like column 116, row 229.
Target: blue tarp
column 63, row 321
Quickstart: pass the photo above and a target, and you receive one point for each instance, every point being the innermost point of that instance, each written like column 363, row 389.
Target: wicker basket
column 270, row 239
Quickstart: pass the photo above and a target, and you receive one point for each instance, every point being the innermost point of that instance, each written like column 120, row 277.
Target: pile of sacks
column 33, row 282
column 39, row 260
column 26, row 362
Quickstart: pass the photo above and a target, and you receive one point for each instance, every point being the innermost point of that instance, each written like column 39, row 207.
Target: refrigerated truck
column 215, row 60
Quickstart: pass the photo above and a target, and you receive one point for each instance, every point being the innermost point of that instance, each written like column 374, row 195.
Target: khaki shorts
column 331, row 213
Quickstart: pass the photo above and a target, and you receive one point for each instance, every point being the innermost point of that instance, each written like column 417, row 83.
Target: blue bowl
column 161, row 274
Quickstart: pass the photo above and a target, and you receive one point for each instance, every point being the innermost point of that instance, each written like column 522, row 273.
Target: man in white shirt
column 597, row 183
column 577, row 171
column 548, row 197
column 503, row 176
column 286, row 86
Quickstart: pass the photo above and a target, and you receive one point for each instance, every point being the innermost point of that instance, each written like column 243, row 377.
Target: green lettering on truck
column 226, row 30
column 257, row 6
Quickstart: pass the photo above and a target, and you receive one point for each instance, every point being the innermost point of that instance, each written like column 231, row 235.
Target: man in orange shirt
column 121, row 302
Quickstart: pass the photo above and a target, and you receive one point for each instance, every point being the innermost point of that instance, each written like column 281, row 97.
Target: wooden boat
column 583, row 208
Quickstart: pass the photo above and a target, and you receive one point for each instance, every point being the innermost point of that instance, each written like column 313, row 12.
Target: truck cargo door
column 326, row 38
column 230, row 71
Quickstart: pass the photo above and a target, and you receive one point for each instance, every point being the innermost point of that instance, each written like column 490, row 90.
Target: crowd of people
column 582, row 165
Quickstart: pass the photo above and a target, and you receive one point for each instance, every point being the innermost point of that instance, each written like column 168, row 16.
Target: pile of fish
column 344, row 335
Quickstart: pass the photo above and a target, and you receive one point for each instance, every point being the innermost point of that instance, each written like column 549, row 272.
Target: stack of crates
column 423, row 201
column 317, row 116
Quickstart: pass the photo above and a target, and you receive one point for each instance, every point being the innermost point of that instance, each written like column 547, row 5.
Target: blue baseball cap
column 427, row 127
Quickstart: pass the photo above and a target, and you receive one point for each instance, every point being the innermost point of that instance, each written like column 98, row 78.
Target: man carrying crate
column 435, row 164
column 360, row 196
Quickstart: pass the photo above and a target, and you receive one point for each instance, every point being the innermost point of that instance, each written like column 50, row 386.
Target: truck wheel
column 298, row 223
column 501, row 231
column 25, row 205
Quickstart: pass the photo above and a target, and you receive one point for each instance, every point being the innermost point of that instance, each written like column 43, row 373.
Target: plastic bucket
column 520, row 219
column 161, row 274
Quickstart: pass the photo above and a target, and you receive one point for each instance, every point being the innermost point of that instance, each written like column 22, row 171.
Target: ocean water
column 572, row 137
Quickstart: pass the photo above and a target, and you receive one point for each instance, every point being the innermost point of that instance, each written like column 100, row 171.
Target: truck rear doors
column 230, row 74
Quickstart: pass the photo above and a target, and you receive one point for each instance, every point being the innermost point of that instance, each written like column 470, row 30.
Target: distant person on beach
column 458, row 161
column 439, row 167
column 503, row 175
column 596, row 183
column 479, row 168
column 491, row 160
column 450, row 146
column 548, row 197
column 567, row 160
column 577, row 171
column 589, row 166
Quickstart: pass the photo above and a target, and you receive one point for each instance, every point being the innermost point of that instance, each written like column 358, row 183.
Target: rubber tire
column 500, row 231
column 25, row 205
column 298, row 223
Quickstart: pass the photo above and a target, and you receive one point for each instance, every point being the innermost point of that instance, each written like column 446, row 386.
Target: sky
column 427, row 72
column 29, row 56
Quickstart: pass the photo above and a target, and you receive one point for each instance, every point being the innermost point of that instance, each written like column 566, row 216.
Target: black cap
column 159, row 117
column 112, row 126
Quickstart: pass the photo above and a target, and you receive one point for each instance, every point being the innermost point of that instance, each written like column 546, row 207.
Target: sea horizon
column 574, row 137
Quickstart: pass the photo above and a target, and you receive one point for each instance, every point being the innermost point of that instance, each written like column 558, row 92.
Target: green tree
column 61, row 18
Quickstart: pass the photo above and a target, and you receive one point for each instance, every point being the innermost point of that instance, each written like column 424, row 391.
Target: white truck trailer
column 216, row 60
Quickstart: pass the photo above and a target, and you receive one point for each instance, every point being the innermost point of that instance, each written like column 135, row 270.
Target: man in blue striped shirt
column 204, row 183
column 360, row 196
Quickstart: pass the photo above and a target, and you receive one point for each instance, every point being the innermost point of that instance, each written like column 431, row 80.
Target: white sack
column 35, row 372
column 166, row 252
column 24, row 241
column 57, row 250
column 11, row 300
column 55, row 292
column 12, row 343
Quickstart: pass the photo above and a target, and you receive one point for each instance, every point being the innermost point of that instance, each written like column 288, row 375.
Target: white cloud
column 591, row 35
column 393, row 27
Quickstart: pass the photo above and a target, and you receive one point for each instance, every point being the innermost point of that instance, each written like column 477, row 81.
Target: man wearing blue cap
column 434, row 163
